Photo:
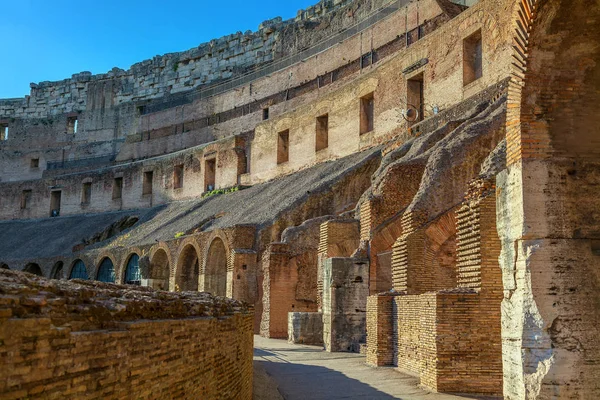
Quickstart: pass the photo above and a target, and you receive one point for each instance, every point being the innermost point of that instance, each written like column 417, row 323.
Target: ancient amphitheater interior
column 412, row 185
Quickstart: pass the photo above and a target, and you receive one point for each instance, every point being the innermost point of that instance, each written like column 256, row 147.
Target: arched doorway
column 106, row 271
column 159, row 270
column 132, row 271
column 188, row 269
column 57, row 270
column 215, row 274
column 78, row 271
column 33, row 268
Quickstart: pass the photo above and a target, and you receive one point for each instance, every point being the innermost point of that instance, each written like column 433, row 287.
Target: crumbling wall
column 305, row 328
column 181, row 71
column 548, row 211
column 345, row 291
column 93, row 340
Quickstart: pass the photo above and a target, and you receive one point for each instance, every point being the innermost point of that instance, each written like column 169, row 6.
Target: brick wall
column 279, row 292
column 445, row 328
column 337, row 238
column 380, row 330
column 71, row 340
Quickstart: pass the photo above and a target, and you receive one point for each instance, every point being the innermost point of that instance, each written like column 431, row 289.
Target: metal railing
column 274, row 66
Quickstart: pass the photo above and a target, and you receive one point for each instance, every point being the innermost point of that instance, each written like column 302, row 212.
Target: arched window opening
column 188, row 270
column 159, row 270
column 106, row 271
column 132, row 272
column 215, row 277
column 33, row 268
column 57, row 270
column 78, row 271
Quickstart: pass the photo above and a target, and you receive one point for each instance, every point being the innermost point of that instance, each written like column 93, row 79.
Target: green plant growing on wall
column 179, row 234
column 176, row 66
column 221, row 191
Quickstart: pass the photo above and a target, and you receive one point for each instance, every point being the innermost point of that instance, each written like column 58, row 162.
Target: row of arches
column 190, row 272
column 78, row 270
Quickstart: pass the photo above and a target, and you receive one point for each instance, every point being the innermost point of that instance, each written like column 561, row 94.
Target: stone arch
column 160, row 267
column 215, row 268
column 131, row 271
column 549, row 192
column 440, row 247
column 33, row 268
column 187, row 271
column 57, row 270
column 78, row 270
column 106, row 270
column 99, row 258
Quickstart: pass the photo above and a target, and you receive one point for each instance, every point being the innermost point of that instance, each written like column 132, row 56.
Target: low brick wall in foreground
column 77, row 339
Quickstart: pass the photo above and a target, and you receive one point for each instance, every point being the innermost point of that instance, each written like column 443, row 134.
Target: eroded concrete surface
column 290, row 371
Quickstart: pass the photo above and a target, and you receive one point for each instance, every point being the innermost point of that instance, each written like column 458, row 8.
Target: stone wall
column 345, row 290
column 75, row 339
column 134, row 193
column 110, row 132
column 305, row 328
column 548, row 212
column 182, row 71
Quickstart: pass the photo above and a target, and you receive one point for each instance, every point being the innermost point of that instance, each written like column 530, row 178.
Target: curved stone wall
column 250, row 156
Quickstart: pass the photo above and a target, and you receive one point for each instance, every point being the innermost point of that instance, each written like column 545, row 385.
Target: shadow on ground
column 301, row 382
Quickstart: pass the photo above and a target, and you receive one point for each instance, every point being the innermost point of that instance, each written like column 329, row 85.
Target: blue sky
column 45, row 40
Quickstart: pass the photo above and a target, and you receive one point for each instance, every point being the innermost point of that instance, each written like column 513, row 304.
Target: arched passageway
column 215, row 274
column 159, row 270
column 57, row 270
column 78, row 271
column 133, row 275
column 33, row 268
column 106, row 271
column 188, row 269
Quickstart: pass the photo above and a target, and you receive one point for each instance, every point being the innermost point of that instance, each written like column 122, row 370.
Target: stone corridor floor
column 297, row 372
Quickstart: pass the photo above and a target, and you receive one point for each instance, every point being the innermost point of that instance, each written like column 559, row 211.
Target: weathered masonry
column 93, row 340
column 414, row 180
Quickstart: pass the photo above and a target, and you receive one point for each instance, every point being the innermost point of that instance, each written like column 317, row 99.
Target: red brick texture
column 98, row 341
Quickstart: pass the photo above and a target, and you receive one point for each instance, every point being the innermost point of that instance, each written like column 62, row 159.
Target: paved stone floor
column 307, row 372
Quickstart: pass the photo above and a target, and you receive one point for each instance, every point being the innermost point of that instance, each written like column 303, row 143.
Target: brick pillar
column 279, row 289
column 380, row 330
column 337, row 238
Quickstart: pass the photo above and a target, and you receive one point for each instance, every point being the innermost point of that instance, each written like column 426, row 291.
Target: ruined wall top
column 92, row 305
column 211, row 62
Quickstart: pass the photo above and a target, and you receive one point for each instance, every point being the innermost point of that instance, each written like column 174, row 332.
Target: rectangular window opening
column 3, row 131
column 472, row 58
column 265, row 115
column 322, row 132
column 25, row 199
column 86, row 193
column 210, row 169
column 414, row 99
column 283, row 146
column 55, row 197
column 178, row 176
column 71, row 125
column 147, row 184
column 35, row 163
column 366, row 113
column 117, row 189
